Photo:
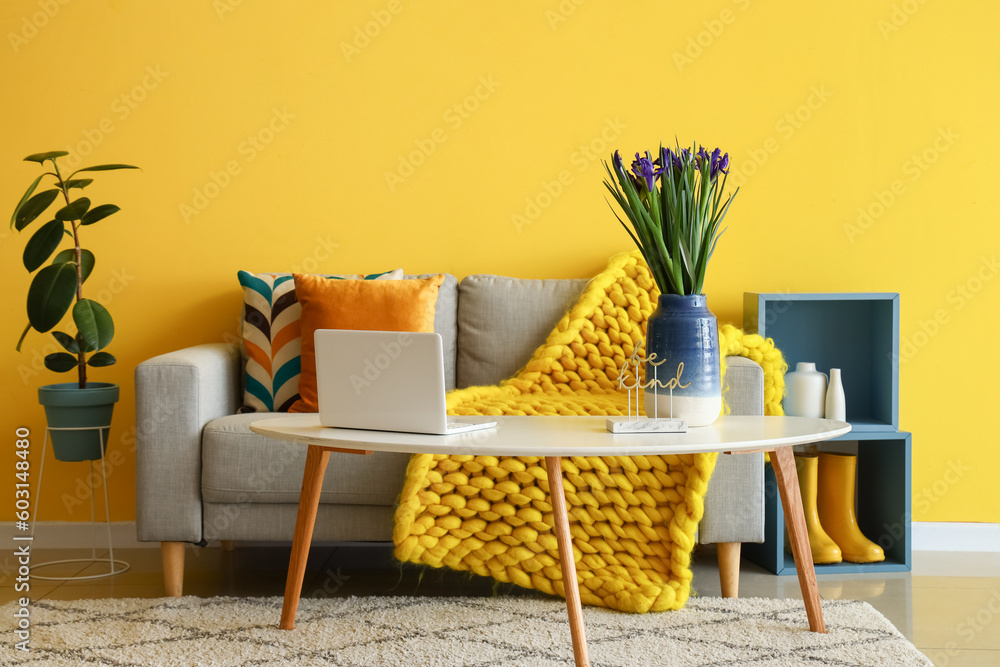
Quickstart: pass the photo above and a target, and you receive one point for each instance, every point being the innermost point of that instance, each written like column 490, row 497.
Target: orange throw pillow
column 370, row 305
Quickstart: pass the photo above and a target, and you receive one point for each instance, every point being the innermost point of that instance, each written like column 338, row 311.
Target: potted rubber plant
column 78, row 413
column 675, row 203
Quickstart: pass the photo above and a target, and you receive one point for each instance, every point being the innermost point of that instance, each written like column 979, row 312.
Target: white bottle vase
column 836, row 403
column 806, row 395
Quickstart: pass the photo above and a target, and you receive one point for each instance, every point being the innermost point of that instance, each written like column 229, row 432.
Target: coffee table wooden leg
column 312, row 483
column 561, row 519
column 783, row 462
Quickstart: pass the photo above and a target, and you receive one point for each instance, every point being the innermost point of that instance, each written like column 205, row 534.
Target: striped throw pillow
column 272, row 343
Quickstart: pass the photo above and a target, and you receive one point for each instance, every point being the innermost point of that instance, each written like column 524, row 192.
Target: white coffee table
column 553, row 438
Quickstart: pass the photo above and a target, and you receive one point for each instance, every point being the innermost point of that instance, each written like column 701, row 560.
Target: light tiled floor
column 949, row 606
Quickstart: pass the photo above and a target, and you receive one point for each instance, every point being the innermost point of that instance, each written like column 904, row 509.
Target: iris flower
column 677, row 223
column 645, row 170
column 720, row 163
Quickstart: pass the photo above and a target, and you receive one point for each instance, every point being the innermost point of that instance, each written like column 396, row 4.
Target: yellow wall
column 824, row 108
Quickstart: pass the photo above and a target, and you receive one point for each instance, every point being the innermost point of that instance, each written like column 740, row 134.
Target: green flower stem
column 676, row 222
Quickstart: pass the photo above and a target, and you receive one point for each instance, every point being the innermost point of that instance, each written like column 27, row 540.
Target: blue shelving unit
column 858, row 333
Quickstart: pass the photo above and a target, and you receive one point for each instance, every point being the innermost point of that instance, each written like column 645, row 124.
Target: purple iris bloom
column 672, row 160
column 684, row 158
column 719, row 164
column 703, row 158
column 617, row 161
column 644, row 169
column 713, row 162
column 666, row 159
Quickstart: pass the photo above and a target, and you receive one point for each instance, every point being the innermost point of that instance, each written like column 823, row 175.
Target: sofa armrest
column 176, row 394
column 734, row 503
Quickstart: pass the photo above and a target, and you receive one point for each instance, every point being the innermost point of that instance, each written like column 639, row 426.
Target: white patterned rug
column 416, row 632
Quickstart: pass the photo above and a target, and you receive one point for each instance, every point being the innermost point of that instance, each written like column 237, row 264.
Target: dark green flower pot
column 68, row 406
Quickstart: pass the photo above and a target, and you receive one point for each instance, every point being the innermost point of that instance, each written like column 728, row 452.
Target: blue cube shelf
column 883, row 509
column 858, row 333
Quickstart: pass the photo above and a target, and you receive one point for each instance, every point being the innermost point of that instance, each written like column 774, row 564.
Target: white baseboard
column 955, row 536
column 927, row 536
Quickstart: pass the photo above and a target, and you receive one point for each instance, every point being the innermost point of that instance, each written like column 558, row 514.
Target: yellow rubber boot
column 836, row 508
column 824, row 549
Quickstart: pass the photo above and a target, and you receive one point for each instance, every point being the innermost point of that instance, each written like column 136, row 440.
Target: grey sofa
column 203, row 475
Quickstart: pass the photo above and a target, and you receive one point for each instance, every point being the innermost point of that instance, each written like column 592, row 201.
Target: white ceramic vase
column 836, row 403
column 806, row 396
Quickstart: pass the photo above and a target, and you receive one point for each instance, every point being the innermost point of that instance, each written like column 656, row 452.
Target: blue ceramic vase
column 682, row 330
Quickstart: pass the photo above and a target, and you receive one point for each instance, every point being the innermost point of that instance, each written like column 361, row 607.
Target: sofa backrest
column 501, row 321
column 446, row 322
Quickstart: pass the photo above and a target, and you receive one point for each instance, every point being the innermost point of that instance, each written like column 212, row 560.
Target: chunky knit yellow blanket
column 632, row 519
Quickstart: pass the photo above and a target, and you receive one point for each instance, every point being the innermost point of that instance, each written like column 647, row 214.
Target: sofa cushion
column 239, row 466
column 446, row 323
column 502, row 320
column 272, row 338
column 397, row 305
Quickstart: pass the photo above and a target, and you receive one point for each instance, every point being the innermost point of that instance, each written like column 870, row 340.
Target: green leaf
column 42, row 157
column 75, row 210
column 71, row 343
column 41, row 246
column 33, row 208
column 24, row 198
column 78, row 183
column 106, row 167
column 99, row 213
column 86, row 259
column 101, row 359
column 60, row 362
column 50, row 295
column 638, row 244
column 23, row 335
column 94, row 323
column 68, row 342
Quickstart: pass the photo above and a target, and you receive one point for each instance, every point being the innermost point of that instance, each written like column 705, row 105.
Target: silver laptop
column 385, row 381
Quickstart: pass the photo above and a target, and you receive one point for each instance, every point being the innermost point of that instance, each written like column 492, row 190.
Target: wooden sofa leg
column 173, row 568
column 228, row 545
column 729, row 568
